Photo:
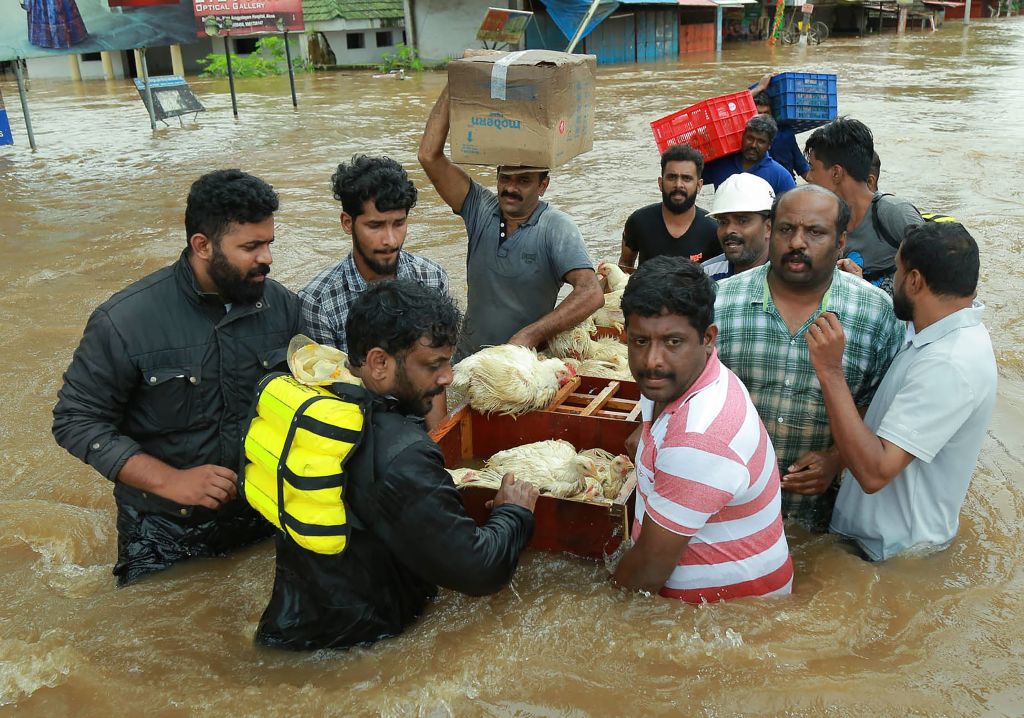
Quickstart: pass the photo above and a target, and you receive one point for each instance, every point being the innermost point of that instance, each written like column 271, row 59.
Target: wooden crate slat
column 601, row 399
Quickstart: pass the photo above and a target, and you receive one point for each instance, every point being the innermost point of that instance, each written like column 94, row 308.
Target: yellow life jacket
column 296, row 451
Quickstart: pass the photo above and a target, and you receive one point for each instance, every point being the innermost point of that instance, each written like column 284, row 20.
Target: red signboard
column 247, row 17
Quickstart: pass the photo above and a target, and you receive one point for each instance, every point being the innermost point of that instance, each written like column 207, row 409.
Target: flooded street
column 102, row 203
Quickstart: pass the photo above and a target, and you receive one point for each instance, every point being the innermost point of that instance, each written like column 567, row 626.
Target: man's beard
column 675, row 206
column 381, row 268
column 902, row 306
column 234, row 286
column 411, row 401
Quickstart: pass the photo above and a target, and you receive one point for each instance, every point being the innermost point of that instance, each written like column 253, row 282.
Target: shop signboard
column 5, row 125
column 247, row 17
column 503, row 25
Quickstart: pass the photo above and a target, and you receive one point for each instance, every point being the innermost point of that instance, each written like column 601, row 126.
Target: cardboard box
column 532, row 108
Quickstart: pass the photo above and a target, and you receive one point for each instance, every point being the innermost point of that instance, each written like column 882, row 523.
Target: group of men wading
column 777, row 382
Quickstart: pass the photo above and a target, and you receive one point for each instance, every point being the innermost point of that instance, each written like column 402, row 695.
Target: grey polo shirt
column 935, row 402
column 514, row 284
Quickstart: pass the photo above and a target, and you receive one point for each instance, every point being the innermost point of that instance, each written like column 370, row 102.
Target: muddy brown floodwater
column 101, row 204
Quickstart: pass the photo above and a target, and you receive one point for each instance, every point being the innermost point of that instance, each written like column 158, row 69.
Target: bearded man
column 675, row 226
column 410, row 531
column 158, row 392
column 376, row 195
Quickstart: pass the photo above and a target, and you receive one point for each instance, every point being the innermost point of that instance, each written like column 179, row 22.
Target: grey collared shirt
column 327, row 297
column 516, row 282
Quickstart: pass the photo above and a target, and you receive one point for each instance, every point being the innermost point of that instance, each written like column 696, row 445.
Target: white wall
column 337, row 31
column 444, row 28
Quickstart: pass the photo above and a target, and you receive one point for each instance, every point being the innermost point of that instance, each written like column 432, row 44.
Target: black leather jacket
column 162, row 369
column 416, row 536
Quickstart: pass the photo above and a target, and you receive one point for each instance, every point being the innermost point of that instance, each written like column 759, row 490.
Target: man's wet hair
column 842, row 208
column 671, row 285
column 219, row 198
column 381, row 179
column 845, row 142
column 945, row 254
column 683, row 153
column 395, row 314
column 765, row 125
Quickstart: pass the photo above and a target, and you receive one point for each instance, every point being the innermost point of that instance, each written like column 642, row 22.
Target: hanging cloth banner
column 780, row 14
column 5, row 126
column 568, row 14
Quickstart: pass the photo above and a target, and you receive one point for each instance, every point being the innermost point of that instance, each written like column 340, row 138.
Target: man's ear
column 709, row 338
column 379, row 366
column 838, row 174
column 201, row 245
column 346, row 222
column 544, row 185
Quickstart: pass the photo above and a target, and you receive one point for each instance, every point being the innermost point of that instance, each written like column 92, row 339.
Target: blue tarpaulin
column 568, row 14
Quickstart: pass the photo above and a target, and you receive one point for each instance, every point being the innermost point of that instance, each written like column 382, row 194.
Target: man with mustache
column 741, row 208
column 521, row 250
column 158, row 393
column 912, row 456
column 376, row 196
column 753, row 157
column 676, row 226
column 763, row 315
column 412, row 533
column 708, row 525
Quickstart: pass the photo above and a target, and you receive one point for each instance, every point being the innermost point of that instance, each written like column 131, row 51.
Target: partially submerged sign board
column 532, row 108
column 503, row 25
column 39, row 28
column 172, row 96
column 247, row 17
column 5, row 126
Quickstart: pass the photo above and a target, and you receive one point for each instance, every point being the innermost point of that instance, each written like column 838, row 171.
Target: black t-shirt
column 646, row 234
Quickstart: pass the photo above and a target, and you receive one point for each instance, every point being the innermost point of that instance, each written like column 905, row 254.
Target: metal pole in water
column 291, row 70
column 231, row 76
column 148, row 89
column 967, row 12
column 24, row 104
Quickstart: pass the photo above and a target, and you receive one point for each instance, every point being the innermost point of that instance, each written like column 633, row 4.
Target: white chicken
column 555, row 468
column 617, row 279
column 572, row 342
column 601, row 369
column 549, row 465
column 509, row 379
column 609, row 470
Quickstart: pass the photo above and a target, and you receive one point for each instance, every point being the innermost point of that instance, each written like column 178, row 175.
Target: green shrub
column 269, row 59
column 404, row 58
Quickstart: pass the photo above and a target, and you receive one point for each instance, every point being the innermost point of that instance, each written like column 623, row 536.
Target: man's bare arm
column 585, row 298
column 648, row 564
column 627, row 257
column 450, row 180
column 208, row 485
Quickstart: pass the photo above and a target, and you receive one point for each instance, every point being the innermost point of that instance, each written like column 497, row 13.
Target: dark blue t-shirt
column 718, row 171
column 786, row 152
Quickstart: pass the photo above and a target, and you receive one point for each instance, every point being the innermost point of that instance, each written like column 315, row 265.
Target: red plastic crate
column 714, row 126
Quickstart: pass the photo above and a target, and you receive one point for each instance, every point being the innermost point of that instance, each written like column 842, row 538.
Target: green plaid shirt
column 755, row 343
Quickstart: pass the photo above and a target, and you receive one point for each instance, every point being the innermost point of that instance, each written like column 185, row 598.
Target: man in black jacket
column 158, row 393
column 415, row 533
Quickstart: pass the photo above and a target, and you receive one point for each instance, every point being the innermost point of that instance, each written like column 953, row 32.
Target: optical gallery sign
column 247, row 17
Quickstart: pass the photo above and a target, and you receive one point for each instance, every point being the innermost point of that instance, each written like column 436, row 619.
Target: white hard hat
column 743, row 192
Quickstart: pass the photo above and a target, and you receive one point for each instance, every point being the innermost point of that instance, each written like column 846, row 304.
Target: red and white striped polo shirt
column 706, row 469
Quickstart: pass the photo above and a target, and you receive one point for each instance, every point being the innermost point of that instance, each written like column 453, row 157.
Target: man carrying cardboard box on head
column 521, row 249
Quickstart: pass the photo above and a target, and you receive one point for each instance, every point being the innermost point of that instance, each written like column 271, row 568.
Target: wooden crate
column 581, row 528
column 599, row 398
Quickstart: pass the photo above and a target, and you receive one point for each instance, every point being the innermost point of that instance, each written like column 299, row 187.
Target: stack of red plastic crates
column 714, row 126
